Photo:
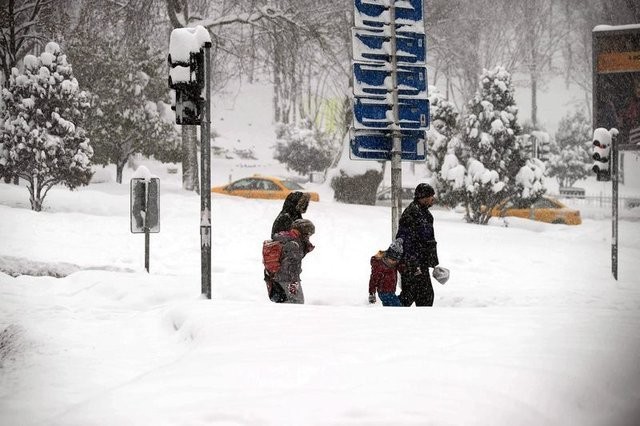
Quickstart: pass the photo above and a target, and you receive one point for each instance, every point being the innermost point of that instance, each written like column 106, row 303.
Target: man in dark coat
column 419, row 248
column 293, row 207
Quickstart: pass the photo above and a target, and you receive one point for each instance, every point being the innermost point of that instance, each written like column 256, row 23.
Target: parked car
column 267, row 187
column 544, row 209
column 383, row 197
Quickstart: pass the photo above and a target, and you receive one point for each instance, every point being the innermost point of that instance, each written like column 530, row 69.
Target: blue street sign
column 376, row 145
column 375, row 46
column 375, row 79
column 376, row 113
column 375, row 14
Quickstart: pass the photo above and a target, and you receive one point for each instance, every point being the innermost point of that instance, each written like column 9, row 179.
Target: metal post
column 205, row 172
column 614, row 205
column 146, row 225
column 396, row 150
column 146, row 247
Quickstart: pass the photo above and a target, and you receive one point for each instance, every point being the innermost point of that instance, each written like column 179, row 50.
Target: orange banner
column 618, row 62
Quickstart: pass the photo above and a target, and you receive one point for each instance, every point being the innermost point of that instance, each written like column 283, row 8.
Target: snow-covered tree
column 570, row 158
column 444, row 150
column 128, row 114
column 41, row 138
column 25, row 24
column 496, row 158
column 304, row 148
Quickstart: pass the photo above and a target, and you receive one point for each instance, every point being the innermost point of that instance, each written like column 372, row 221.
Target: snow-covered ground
column 531, row 329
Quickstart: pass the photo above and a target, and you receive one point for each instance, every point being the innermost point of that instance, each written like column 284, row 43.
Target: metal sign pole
column 396, row 150
column 205, row 188
column 146, row 225
column 614, row 205
column 147, row 247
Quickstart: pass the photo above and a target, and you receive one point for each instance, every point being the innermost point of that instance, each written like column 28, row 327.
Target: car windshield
column 385, row 194
column 289, row 184
column 518, row 203
column 540, row 203
column 545, row 203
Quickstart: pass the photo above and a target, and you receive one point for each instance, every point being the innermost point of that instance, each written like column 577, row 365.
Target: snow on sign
column 376, row 113
column 375, row 46
column 375, row 79
column 376, row 145
column 375, row 14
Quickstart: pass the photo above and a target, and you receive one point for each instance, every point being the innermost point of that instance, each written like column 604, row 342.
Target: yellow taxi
column 544, row 209
column 266, row 187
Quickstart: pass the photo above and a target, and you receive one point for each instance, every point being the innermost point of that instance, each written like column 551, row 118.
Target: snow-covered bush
column 496, row 154
column 358, row 189
column 570, row 158
column 304, row 148
column 41, row 140
column 355, row 181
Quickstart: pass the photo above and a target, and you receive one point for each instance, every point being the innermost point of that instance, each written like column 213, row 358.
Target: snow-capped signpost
column 391, row 108
column 616, row 108
column 190, row 76
column 145, row 207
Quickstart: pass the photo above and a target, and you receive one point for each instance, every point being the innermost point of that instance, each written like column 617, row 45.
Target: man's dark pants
column 416, row 288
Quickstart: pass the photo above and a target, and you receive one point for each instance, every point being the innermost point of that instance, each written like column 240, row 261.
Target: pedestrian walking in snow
column 295, row 246
column 293, row 207
column 419, row 248
column 384, row 275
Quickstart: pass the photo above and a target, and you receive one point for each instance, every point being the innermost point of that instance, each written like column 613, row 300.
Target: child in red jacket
column 384, row 275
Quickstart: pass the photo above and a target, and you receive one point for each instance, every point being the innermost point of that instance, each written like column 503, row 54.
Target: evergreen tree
column 444, row 150
column 41, row 138
column 570, row 152
column 127, row 114
column 496, row 155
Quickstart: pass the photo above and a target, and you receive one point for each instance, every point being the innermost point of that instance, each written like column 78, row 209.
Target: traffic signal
column 188, row 108
column 601, row 151
column 186, row 71
column 186, row 77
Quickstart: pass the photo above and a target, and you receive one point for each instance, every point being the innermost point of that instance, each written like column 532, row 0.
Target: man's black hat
column 423, row 190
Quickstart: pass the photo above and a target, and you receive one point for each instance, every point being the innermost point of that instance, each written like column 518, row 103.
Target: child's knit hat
column 395, row 249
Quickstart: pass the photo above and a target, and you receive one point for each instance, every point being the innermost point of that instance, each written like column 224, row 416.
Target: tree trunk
column 190, row 159
column 276, row 88
column 534, row 98
column 34, row 194
column 119, row 167
column 36, row 204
